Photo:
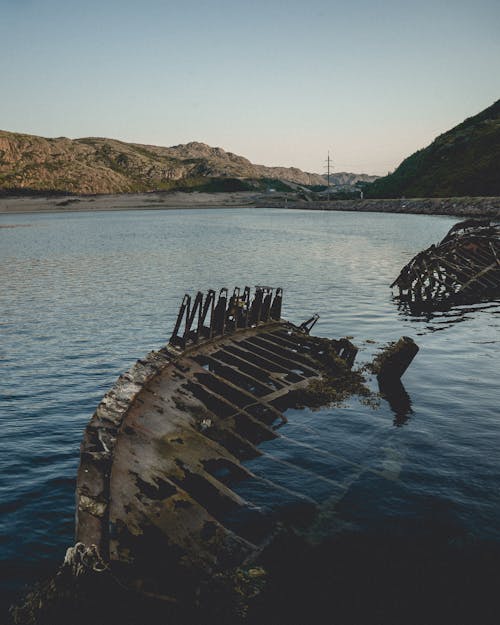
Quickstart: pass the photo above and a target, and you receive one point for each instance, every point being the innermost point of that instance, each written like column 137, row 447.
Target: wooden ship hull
column 167, row 504
column 463, row 268
column 165, row 448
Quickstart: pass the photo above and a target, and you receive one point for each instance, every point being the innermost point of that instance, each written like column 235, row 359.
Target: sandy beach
column 128, row 201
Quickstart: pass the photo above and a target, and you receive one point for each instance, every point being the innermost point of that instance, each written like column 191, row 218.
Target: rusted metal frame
column 461, row 263
column 266, row 361
column 234, row 375
column 200, row 393
column 407, row 273
column 443, row 276
column 237, row 468
column 482, row 253
column 285, row 352
column 232, row 313
column 306, row 350
column 246, row 301
column 471, row 257
column 250, row 449
column 453, row 266
column 256, row 306
column 224, row 490
column 292, row 336
column 494, row 252
column 437, row 279
column 348, row 352
column 250, row 475
column 482, row 266
column 253, row 399
column 226, row 494
column 288, row 363
column 184, row 309
column 238, row 309
column 277, row 304
column 477, row 277
column 240, row 363
column 220, row 313
column 484, row 279
column 266, row 306
column 279, row 337
column 239, row 318
column 414, row 278
column 261, row 401
column 209, row 304
column 267, row 365
column 309, row 324
column 432, row 280
column 238, row 410
column 284, row 489
column 304, row 346
column 299, row 469
column 196, row 308
column 303, row 343
column 250, row 378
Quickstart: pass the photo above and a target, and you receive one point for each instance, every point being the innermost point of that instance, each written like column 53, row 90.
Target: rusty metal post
column 277, row 303
column 220, row 312
column 208, row 304
column 185, row 306
column 256, row 308
column 190, row 318
column 266, row 304
column 246, row 300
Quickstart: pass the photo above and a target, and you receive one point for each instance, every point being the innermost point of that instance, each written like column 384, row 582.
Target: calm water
column 84, row 295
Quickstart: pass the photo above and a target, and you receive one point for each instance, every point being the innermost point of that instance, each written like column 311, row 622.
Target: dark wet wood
column 463, row 268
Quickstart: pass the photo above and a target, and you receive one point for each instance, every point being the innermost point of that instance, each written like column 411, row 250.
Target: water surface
column 84, row 295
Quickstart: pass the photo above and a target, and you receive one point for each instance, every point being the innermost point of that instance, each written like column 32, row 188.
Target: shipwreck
column 463, row 268
column 160, row 508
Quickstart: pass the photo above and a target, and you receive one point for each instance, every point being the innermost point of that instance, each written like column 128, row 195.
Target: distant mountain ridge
column 97, row 165
column 465, row 161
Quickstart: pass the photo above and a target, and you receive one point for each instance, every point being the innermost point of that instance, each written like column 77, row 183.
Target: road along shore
column 460, row 207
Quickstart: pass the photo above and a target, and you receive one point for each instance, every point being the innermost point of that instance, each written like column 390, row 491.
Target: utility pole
column 329, row 165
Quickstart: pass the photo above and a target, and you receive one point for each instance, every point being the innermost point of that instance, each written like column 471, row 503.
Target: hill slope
column 463, row 161
column 95, row 165
column 345, row 179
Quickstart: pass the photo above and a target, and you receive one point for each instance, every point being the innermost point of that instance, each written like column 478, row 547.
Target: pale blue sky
column 278, row 82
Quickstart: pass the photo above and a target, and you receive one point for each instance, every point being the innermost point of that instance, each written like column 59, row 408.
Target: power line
column 329, row 165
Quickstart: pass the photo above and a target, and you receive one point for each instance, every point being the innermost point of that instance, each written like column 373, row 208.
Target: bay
column 86, row 294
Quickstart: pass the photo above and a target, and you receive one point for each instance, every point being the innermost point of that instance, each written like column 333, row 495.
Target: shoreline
column 455, row 206
column 37, row 204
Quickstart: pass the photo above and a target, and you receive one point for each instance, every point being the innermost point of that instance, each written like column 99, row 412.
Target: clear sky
column 279, row 82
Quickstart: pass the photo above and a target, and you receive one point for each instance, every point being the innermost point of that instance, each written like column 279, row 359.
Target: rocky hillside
column 95, row 165
column 464, row 161
column 345, row 180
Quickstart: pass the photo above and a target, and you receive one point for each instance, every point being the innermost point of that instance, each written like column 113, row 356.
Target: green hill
column 464, row 161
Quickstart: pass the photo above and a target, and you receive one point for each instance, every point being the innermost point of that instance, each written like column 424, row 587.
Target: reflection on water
column 445, row 317
column 87, row 294
column 398, row 399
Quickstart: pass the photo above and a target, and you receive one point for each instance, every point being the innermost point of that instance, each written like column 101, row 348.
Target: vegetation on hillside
column 464, row 161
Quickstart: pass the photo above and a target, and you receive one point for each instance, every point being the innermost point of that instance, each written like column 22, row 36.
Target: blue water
column 84, row 295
